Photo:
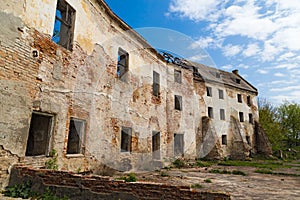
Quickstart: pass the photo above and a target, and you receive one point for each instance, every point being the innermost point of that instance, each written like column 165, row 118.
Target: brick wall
column 77, row 186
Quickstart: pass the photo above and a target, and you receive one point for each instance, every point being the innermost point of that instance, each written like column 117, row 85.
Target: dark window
column 250, row 118
column 224, row 139
column 64, row 24
column 178, row 145
column 248, row 140
column 155, row 145
column 209, row 91
column 241, row 115
column 238, row 81
column 218, row 75
column 177, row 76
column 222, row 114
column 210, row 112
column 39, row 134
column 156, row 84
column 249, row 100
column 239, row 98
column 178, row 102
column 126, row 139
column 221, row 94
column 122, row 68
column 76, row 136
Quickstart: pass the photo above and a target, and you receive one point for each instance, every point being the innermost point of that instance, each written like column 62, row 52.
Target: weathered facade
column 75, row 78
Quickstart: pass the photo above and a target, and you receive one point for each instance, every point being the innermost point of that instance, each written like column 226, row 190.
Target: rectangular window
column 64, row 24
column 76, row 136
column 122, row 68
column 248, row 140
column 221, row 94
column 178, row 145
column 241, row 115
column 210, row 112
column 250, row 118
column 239, row 98
column 177, row 76
column 126, row 136
column 178, row 102
column 39, row 134
column 249, row 100
column 222, row 114
column 156, row 145
column 218, row 75
column 224, row 139
column 156, row 84
column 209, row 91
column 238, row 81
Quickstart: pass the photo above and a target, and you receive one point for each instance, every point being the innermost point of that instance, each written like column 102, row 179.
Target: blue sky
column 259, row 38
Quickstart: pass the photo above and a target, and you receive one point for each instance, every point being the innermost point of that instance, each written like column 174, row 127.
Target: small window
column 156, row 145
column 178, row 102
column 178, row 145
column 222, row 114
column 156, row 84
column 250, row 118
column 64, row 24
column 218, row 75
column 210, row 112
column 249, row 100
column 122, row 68
column 239, row 98
column 126, row 136
column 241, row 115
column 209, row 91
column 238, row 81
column 248, row 140
column 177, row 76
column 39, row 134
column 224, row 139
column 221, row 94
column 76, row 136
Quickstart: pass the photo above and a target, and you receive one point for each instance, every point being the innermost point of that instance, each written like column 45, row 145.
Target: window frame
column 122, row 68
column 224, row 139
column 156, row 84
column 222, row 114
column 82, row 136
column 221, row 94
column 210, row 112
column 239, row 98
column 178, row 102
column 178, row 151
column 156, row 151
column 241, row 117
column 209, row 91
column 124, row 131
column 177, row 76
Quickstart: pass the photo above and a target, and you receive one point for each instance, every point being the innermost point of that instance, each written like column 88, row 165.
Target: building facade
column 75, row 78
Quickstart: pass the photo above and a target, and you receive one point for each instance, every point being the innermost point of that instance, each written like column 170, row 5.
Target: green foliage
column 178, row 163
column 203, row 164
column 20, row 191
column 271, row 164
column 207, row 180
column 197, row 185
column 52, row 162
column 129, row 178
column 164, row 174
column 48, row 195
column 238, row 172
column 265, row 171
column 234, row 172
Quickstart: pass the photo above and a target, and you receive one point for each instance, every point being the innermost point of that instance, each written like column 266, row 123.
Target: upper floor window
column 210, row 112
column 239, row 98
column 218, row 75
column 156, row 84
column 238, row 81
column 221, row 94
column 123, row 60
column 177, row 76
column 241, row 116
column 64, row 24
column 222, row 114
column 209, row 91
column 178, row 102
column 250, row 118
column 126, row 135
column 249, row 100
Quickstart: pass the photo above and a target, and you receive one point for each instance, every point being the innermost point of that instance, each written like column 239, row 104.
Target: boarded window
column 224, row 139
column 221, row 94
column 156, row 145
column 241, row 116
column 156, row 84
column 178, row 145
column 177, row 76
column 122, row 68
column 239, row 98
column 178, row 102
column 249, row 100
column 222, row 114
column 126, row 135
column 76, row 136
column 209, row 91
column 64, row 24
column 250, row 118
column 39, row 134
column 210, row 112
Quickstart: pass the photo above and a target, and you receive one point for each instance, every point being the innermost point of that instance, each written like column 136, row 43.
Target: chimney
column 236, row 71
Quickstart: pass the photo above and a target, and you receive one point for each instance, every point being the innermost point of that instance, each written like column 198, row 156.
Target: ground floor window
column 126, row 134
column 178, row 144
column 39, row 134
column 224, row 139
column 76, row 136
column 156, row 145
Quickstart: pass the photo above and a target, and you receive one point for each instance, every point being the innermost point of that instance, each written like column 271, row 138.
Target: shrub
column 207, row 180
column 52, row 162
column 129, row 178
column 19, row 191
column 197, row 185
column 164, row 174
column 238, row 172
column 178, row 163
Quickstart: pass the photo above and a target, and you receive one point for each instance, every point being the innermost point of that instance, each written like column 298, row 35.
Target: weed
column 52, row 162
column 203, row 164
column 164, row 174
column 48, row 195
column 129, row 178
column 178, row 163
column 19, row 191
column 197, row 185
column 216, row 171
column 78, row 170
column 238, row 172
column 207, row 180
column 235, row 172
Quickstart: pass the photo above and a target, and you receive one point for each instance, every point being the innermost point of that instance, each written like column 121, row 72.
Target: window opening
column 250, row 118
column 126, row 135
column 156, row 145
column 178, row 102
column 221, row 94
column 177, row 76
column 156, row 84
column 222, row 114
column 241, row 115
column 178, row 145
column 122, row 68
column 210, row 112
column 224, row 139
column 209, row 91
column 76, row 136
column 239, row 98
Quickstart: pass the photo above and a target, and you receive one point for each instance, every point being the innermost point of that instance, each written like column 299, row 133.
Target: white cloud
column 198, row 58
column 203, row 43
column 227, row 67
column 231, row 50
column 261, row 71
column 251, row 50
column 278, row 74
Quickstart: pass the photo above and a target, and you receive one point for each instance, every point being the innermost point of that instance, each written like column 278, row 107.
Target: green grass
column 203, row 163
column 207, row 180
column 270, row 164
column 178, row 163
column 234, row 172
column 164, row 174
column 197, row 185
column 129, row 178
column 238, row 172
column 264, row 171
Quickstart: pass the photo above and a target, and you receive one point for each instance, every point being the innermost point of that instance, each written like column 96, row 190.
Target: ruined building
column 75, row 78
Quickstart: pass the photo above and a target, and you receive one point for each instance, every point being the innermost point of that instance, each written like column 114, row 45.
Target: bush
column 207, row 180
column 197, row 185
column 19, row 191
column 52, row 162
column 202, row 164
column 164, row 174
column 178, row 163
column 129, row 178
column 238, row 172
